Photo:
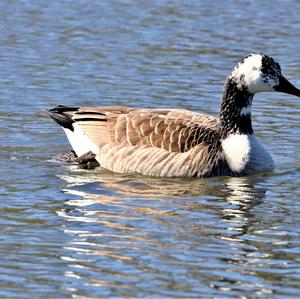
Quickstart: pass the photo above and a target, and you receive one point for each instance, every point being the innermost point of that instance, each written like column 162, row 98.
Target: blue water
column 67, row 232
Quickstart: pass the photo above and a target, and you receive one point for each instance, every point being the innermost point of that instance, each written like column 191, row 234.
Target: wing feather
column 175, row 130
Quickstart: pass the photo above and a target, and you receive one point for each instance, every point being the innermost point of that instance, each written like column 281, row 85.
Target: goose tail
column 59, row 115
column 80, row 142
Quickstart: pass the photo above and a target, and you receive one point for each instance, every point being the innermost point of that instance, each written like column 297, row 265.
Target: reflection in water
column 243, row 196
column 146, row 226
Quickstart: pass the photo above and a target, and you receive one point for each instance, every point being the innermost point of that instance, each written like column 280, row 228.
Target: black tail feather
column 59, row 116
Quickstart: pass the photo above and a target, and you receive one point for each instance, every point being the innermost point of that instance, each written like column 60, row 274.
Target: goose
column 178, row 142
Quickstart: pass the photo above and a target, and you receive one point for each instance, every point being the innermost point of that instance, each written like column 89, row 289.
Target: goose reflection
column 127, row 226
column 108, row 198
column 105, row 187
column 243, row 194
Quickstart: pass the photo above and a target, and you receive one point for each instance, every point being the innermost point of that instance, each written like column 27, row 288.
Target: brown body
column 156, row 142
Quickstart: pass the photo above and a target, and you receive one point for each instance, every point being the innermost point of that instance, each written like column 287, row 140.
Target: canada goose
column 177, row 142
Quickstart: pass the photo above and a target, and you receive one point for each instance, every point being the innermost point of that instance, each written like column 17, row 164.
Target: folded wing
column 163, row 142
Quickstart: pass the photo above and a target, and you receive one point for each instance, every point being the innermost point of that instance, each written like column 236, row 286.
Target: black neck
column 235, row 98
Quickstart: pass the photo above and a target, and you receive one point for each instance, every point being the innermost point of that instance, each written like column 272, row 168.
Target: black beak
column 287, row 87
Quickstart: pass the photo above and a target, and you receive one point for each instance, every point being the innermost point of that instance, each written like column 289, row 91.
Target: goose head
column 259, row 73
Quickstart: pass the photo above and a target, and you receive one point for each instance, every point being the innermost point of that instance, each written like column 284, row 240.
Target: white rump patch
column 80, row 143
column 244, row 153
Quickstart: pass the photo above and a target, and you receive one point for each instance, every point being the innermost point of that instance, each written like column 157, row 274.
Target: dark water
column 72, row 233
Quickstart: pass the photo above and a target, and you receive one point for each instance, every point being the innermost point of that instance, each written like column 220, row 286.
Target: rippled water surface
column 69, row 232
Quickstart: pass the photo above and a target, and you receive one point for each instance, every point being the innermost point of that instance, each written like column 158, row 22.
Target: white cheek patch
column 256, row 83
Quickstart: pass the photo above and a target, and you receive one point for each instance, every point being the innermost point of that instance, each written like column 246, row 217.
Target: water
column 72, row 233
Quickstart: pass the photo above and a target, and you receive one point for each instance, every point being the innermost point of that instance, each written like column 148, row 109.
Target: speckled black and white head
column 257, row 73
column 254, row 73
column 260, row 73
